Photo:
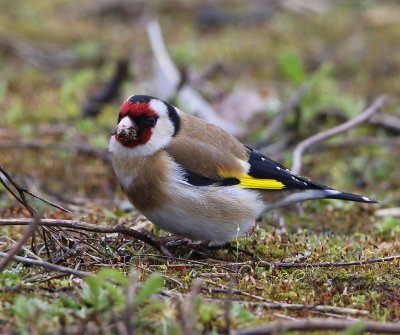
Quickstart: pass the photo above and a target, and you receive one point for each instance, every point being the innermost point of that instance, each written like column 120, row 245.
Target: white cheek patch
column 159, row 107
column 161, row 136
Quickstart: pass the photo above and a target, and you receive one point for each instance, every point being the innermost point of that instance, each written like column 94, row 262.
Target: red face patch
column 136, row 111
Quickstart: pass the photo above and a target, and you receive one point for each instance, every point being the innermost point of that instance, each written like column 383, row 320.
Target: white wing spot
column 366, row 199
column 278, row 168
column 262, row 158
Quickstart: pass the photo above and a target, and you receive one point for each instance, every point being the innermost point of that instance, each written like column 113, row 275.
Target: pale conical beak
column 126, row 130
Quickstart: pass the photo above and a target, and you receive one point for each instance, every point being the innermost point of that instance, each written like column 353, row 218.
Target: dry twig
column 330, row 265
column 151, row 240
column 357, row 142
column 389, row 122
column 276, row 305
column 282, row 327
column 21, row 193
column 21, row 197
column 375, row 107
column 73, row 224
column 46, row 265
column 17, row 247
column 272, row 304
column 231, row 291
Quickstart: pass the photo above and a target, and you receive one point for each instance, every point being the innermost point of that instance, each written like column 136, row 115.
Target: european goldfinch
column 193, row 179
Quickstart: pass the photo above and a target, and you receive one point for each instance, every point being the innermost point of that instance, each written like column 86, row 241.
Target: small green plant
column 292, row 66
column 388, row 227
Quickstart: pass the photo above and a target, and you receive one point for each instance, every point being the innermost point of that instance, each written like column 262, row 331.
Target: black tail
column 351, row 197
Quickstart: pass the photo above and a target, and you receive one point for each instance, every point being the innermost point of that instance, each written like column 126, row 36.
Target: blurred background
column 66, row 66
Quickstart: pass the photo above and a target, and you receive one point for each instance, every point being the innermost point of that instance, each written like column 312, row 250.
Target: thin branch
column 151, row 240
column 17, row 247
column 329, row 265
column 51, row 203
column 22, row 190
column 231, row 291
column 375, row 107
column 281, row 327
column 119, row 229
column 21, row 197
column 299, row 307
column 276, row 305
column 389, row 122
column 46, row 265
column 357, row 142
column 273, row 304
column 286, row 265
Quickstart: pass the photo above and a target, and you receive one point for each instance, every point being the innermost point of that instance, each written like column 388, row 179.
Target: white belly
column 208, row 213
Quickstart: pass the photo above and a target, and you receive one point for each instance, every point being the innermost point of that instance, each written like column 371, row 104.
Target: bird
column 193, row 179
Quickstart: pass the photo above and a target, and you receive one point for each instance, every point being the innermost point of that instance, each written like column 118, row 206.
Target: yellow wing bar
column 247, row 181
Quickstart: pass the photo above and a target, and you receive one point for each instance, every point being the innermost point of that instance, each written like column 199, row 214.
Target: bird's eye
column 151, row 121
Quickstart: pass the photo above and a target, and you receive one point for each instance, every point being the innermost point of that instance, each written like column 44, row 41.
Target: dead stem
column 375, row 107
column 22, row 190
column 321, row 324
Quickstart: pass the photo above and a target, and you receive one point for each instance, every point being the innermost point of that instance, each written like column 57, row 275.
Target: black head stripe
column 141, row 98
column 174, row 117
